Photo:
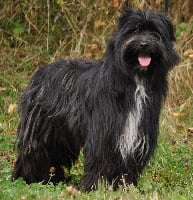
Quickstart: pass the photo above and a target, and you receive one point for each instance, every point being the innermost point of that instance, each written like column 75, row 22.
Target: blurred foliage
column 33, row 33
column 69, row 25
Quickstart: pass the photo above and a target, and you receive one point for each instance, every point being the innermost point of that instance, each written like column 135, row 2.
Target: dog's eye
column 156, row 35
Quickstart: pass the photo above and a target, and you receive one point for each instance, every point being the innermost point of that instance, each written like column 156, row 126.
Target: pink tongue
column 144, row 61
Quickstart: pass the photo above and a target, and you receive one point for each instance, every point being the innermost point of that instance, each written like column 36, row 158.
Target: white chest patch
column 132, row 139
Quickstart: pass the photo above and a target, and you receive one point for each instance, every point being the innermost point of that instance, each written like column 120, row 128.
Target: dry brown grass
column 181, row 78
column 33, row 33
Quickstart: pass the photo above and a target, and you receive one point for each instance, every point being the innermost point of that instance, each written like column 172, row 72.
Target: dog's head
column 143, row 40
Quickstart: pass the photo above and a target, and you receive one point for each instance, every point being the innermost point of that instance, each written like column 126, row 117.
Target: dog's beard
column 140, row 52
column 133, row 139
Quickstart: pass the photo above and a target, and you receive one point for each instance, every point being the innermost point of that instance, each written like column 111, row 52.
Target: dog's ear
column 126, row 3
column 170, row 28
column 126, row 8
column 171, row 31
column 126, row 12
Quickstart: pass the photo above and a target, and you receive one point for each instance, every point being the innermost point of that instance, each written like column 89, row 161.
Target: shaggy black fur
column 110, row 107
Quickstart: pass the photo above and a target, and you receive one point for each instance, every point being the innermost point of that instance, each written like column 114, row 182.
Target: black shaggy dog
column 108, row 107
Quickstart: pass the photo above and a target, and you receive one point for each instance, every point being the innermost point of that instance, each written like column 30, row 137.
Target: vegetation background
column 33, row 33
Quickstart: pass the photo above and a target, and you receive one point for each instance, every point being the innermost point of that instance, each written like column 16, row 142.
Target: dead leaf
column 12, row 132
column 180, row 126
column 23, row 198
column 62, row 194
column 190, row 129
column 189, row 53
column 98, row 24
column 92, row 47
column 173, row 141
column 115, row 3
column 72, row 191
column 178, row 114
column 175, row 114
column 2, row 89
column 186, row 165
column 88, row 56
column 12, row 108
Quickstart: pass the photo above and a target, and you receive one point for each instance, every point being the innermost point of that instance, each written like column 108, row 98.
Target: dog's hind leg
column 33, row 166
column 64, row 149
column 33, row 162
column 44, row 146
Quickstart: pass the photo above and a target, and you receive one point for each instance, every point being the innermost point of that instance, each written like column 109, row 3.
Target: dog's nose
column 143, row 45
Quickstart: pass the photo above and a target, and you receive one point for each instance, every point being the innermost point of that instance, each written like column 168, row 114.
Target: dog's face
column 144, row 39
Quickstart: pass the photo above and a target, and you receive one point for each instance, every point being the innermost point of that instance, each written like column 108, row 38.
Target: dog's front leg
column 100, row 152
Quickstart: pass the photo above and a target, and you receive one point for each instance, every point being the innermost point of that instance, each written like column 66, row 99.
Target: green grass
column 169, row 175
column 27, row 43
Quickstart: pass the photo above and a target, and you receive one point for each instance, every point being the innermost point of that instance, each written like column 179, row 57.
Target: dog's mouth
column 142, row 52
column 144, row 60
